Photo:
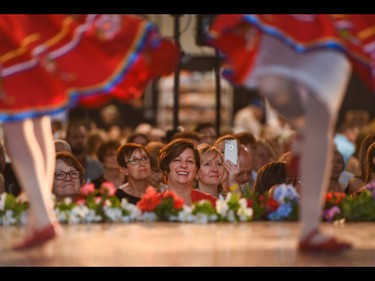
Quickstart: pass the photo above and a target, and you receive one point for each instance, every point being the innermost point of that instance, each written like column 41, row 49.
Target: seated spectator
column 207, row 132
column 229, row 182
column 156, row 178
column 94, row 140
column 62, row 145
column 246, row 175
column 345, row 138
column 247, row 139
column 211, row 172
column 77, row 136
column 156, row 135
column 338, row 167
column 107, row 155
column 190, row 135
column 272, row 173
column 370, row 168
column 68, row 178
column 353, row 164
column 11, row 184
column 139, row 138
column 2, row 184
column 134, row 162
column 356, row 182
column 263, row 153
column 180, row 162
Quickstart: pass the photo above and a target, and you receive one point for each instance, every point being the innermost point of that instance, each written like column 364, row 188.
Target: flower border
column 102, row 205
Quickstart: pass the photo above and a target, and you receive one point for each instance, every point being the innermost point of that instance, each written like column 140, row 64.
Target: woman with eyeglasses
column 68, row 177
column 134, row 162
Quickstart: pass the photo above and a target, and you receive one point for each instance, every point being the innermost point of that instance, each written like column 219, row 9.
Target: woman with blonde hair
column 211, row 173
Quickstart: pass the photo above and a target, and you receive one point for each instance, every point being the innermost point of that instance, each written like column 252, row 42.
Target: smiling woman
column 179, row 162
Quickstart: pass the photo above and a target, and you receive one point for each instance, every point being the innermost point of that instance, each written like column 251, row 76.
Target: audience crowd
column 191, row 161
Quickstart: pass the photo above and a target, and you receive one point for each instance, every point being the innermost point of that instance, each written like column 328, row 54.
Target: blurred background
column 197, row 92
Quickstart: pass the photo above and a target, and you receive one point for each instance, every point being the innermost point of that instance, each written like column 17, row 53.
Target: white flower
column 222, row 207
column 245, row 214
column 243, row 203
column 185, row 215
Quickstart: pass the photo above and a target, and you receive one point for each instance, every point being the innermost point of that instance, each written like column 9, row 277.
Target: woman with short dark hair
column 179, row 161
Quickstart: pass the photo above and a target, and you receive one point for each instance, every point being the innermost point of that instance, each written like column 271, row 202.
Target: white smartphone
column 231, row 150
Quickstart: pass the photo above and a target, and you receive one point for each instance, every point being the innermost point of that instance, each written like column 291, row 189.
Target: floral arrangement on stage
column 12, row 211
column 102, row 205
column 359, row 207
column 169, row 207
column 281, row 206
column 96, row 205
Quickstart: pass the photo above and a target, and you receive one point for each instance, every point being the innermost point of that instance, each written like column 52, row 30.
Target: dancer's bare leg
column 316, row 165
column 44, row 136
column 31, row 149
column 314, row 122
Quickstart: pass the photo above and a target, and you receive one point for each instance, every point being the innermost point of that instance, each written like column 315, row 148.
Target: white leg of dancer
column 314, row 145
column 316, row 165
column 31, row 149
column 308, row 90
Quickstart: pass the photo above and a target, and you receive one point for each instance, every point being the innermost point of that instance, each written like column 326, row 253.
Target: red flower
column 178, row 202
column 272, row 204
column 338, row 197
column 80, row 201
column 334, row 198
column 149, row 200
column 87, row 189
column 109, row 187
column 250, row 203
column 329, row 196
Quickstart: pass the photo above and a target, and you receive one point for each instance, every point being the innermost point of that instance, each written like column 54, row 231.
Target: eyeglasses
column 137, row 161
column 61, row 175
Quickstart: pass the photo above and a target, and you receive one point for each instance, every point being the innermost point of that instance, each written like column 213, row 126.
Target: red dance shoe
column 331, row 245
column 37, row 238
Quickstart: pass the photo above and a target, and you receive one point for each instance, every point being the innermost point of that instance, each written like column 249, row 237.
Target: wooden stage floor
column 182, row 244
